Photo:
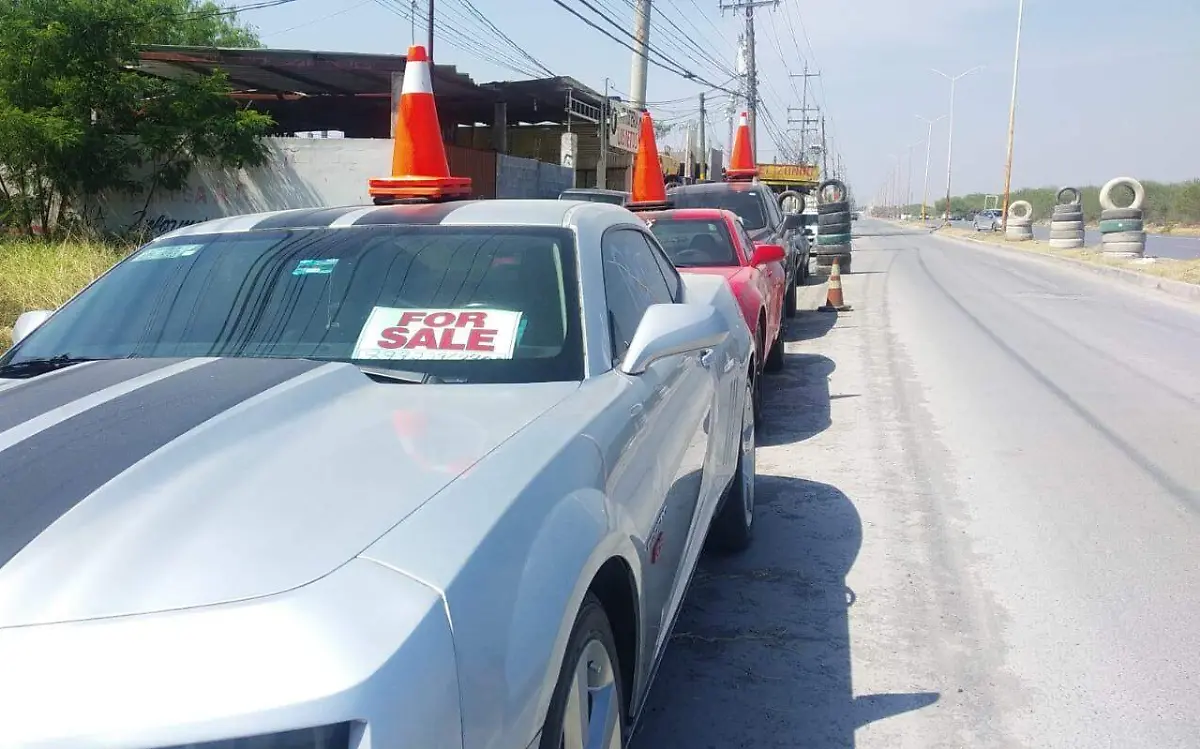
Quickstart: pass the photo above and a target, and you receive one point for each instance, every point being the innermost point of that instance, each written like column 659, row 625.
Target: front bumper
column 364, row 645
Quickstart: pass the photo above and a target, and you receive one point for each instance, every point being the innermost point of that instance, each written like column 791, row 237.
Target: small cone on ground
column 649, row 189
column 834, row 300
column 741, row 161
column 419, row 165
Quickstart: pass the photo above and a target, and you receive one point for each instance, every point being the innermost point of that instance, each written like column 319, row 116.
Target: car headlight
column 322, row 737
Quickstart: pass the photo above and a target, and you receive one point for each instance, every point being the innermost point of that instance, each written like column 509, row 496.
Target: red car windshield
column 696, row 243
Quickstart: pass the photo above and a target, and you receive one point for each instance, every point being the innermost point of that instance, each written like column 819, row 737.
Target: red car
column 713, row 241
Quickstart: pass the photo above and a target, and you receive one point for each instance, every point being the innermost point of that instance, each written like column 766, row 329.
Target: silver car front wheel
column 587, row 708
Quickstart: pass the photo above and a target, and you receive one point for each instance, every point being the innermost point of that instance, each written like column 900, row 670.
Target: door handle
column 706, row 358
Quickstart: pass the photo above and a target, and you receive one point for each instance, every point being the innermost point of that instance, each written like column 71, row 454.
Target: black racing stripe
column 45, row 476
column 50, row 391
column 312, row 218
column 416, row 214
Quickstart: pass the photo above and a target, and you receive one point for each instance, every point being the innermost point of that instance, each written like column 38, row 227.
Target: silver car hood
column 136, row 486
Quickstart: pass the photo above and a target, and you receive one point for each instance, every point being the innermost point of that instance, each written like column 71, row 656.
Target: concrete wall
column 526, row 178
column 303, row 173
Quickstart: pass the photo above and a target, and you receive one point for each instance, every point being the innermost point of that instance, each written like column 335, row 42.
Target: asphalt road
column 1157, row 245
column 977, row 522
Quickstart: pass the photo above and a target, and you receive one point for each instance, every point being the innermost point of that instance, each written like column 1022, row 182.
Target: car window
column 745, row 203
column 674, row 282
column 477, row 304
column 774, row 212
column 632, row 282
column 695, row 243
column 744, row 238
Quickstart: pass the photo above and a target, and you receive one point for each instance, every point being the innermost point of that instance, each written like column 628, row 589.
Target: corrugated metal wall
column 480, row 166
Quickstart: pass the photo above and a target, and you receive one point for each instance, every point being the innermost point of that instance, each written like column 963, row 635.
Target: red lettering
column 423, row 339
column 408, row 318
column 481, row 340
column 447, row 342
column 393, row 338
column 440, row 319
column 476, row 319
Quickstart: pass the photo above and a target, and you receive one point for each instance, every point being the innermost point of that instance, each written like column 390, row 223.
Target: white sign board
column 623, row 125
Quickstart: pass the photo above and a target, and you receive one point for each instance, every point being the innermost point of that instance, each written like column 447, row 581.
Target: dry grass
column 36, row 274
column 1187, row 271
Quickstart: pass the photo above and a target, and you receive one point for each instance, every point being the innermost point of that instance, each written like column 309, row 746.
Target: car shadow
column 796, row 400
column 760, row 656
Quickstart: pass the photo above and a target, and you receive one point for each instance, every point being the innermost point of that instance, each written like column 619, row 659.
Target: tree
column 77, row 119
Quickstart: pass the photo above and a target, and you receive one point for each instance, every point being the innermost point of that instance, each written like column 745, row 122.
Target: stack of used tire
column 1066, row 223
column 833, row 226
column 1122, row 230
column 1020, row 222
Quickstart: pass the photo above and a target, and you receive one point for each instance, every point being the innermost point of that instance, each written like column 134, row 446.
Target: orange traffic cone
column 835, row 301
column 649, row 189
column 419, row 165
column 741, row 161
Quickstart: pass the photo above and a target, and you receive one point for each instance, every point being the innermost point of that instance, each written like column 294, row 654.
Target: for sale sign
column 455, row 334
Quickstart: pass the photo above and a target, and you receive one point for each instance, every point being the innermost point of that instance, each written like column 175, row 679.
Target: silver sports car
column 397, row 477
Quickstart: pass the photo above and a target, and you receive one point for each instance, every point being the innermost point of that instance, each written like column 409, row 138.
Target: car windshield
column 462, row 304
column 695, row 243
column 594, row 197
column 747, row 204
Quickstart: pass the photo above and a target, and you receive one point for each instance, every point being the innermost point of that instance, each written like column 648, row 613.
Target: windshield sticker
column 168, row 252
column 315, row 267
column 449, row 334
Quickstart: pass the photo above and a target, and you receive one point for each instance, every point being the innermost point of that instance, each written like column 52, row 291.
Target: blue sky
column 1107, row 87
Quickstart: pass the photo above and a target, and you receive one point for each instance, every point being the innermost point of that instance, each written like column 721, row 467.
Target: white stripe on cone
column 416, row 79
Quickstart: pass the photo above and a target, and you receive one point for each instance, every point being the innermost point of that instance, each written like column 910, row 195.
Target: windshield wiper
column 400, row 375
column 35, row 367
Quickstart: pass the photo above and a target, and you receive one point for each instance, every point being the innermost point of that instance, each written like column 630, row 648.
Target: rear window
column 594, row 197
column 696, row 243
column 747, row 204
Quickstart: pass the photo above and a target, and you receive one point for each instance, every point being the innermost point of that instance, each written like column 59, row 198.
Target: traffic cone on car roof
column 419, row 165
column 835, row 302
column 649, row 189
column 741, row 161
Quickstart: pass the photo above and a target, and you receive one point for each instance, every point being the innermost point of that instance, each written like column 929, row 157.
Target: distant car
column 855, row 215
column 989, row 219
column 405, row 476
column 714, row 242
column 595, row 195
column 765, row 222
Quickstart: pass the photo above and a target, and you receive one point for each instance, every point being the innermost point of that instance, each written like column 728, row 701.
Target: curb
column 1188, row 292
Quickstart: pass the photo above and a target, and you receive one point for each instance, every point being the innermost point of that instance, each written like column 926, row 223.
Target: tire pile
column 1020, row 222
column 833, row 226
column 1066, row 223
column 1122, row 231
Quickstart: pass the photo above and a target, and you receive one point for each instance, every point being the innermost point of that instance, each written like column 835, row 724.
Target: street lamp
column 928, row 143
column 950, row 139
column 908, row 175
column 1012, row 118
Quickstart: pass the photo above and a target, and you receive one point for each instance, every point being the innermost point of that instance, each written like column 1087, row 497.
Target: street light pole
column 928, row 145
column 950, row 139
column 1012, row 118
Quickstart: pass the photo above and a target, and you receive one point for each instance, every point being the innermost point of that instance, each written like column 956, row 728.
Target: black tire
column 1066, row 217
column 828, row 219
column 838, row 185
column 825, row 240
column 1073, row 196
column 825, row 209
column 844, row 263
column 789, row 300
column 774, row 362
column 733, row 527
column 793, row 195
column 591, row 625
column 842, row 228
column 1121, row 214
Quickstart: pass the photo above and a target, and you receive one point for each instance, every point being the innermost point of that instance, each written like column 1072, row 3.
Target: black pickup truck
column 758, row 208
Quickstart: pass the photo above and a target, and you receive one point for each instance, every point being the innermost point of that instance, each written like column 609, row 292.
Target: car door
column 775, row 285
column 661, row 472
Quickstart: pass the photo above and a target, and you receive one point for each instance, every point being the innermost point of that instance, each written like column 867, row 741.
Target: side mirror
column 27, row 323
column 768, row 253
column 792, row 221
column 670, row 329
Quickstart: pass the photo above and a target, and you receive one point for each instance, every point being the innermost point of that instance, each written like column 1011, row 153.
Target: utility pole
column 928, row 144
column 950, row 139
column 641, row 54
column 824, row 157
column 1012, row 120
column 751, row 62
column 431, row 31
column 804, row 109
column 703, row 142
column 602, row 162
